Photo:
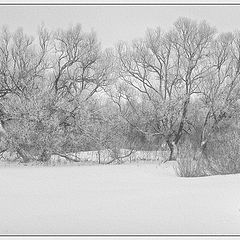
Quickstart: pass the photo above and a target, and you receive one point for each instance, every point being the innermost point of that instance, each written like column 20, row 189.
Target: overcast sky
column 114, row 23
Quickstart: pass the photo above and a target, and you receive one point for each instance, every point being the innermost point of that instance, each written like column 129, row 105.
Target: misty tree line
column 176, row 90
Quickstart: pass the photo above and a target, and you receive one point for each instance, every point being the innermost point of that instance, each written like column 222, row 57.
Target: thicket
column 178, row 90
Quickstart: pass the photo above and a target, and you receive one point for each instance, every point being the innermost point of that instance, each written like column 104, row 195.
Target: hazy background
column 114, row 23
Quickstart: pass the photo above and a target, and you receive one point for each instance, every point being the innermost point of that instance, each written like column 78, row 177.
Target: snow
column 116, row 199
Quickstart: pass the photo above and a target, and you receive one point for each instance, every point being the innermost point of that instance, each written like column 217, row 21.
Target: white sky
column 114, row 23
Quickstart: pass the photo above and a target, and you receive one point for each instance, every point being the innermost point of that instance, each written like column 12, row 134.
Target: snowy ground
column 116, row 199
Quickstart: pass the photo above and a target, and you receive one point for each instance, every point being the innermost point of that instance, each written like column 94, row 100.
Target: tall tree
column 167, row 68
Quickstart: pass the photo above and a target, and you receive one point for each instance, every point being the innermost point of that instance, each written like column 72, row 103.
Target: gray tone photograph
column 120, row 119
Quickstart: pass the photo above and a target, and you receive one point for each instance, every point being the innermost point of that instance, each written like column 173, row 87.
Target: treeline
column 178, row 90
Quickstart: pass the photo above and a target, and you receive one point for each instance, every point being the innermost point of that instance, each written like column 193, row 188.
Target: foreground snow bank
column 116, row 199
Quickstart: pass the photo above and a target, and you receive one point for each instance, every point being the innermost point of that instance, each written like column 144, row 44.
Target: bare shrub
column 190, row 162
column 224, row 154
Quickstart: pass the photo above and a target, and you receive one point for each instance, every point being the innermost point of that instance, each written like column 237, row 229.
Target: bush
column 224, row 154
column 190, row 162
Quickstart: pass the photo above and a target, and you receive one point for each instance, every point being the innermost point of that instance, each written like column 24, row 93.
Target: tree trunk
column 23, row 155
column 99, row 156
column 203, row 147
column 182, row 122
column 173, row 145
column 173, row 151
column 2, row 129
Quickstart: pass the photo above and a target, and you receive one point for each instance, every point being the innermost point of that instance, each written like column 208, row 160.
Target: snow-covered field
column 116, row 199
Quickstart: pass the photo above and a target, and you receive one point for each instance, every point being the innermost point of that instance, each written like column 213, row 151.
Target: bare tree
column 220, row 89
column 23, row 60
column 79, row 65
column 167, row 68
column 81, row 69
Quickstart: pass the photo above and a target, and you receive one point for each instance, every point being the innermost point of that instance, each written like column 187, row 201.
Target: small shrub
column 190, row 163
column 224, row 154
